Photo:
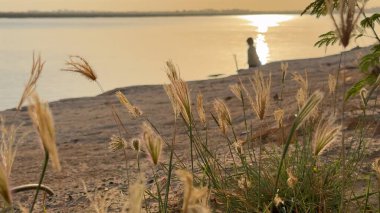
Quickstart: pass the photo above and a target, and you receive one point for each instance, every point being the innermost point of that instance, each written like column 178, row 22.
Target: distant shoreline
column 75, row 14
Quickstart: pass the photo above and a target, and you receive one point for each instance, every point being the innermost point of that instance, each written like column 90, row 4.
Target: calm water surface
column 133, row 51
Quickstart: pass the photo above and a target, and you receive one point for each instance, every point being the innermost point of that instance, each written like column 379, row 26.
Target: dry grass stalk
column 4, row 186
column 153, row 143
column 237, row 90
column 80, row 65
column 194, row 199
column 325, row 133
column 261, row 87
column 133, row 111
column 43, row 122
column 279, row 117
column 223, row 115
column 347, row 19
column 30, row 86
column 135, row 196
column 117, row 143
column 332, row 84
column 292, row 180
column 201, row 110
column 8, row 146
column 179, row 93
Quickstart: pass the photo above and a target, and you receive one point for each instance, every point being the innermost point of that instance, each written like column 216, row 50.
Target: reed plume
column 261, row 87
column 201, row 110
column 284, row 71
column 35, row 73
column 153, row 143
column 325, row 133
column 42, row 119
column 81, row 66
column 223, row 115
column 133, row 111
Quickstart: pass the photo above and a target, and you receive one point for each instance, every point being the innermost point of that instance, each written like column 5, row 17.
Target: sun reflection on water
column 262, row 23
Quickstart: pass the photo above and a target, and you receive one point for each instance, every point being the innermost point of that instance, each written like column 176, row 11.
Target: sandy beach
column 84, row 126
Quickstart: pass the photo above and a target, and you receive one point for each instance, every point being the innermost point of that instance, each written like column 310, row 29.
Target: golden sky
column 155, row 5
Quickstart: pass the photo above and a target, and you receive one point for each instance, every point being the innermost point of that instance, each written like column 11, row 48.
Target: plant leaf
column 355, row 89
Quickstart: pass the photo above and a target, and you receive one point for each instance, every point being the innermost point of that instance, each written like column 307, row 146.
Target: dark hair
column 250, row 40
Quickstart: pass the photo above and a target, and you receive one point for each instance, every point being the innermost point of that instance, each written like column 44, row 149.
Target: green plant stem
column 337, row 80
column 343, row 154
column 170, row 168
column 259, row 164
column 46, row 160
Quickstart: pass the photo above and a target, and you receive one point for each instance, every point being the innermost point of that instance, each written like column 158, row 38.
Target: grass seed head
column 179, row 93
column 278, row 201
column 80, row 65
column 292, row 179
column 42, row 119
column 237, row 90
column 201, row 110
column 284, row 71
column 8, row 145
column 136, row 144
column 223, row 115
column 279, row 117
column 261, row 87
column 117, row 143
column 30, row 86
column 325, row 133
column 135, row 196
column 308, row 108
column 133, row 111
column 238, row 145
column 153, row 143
column 4, row 186
column 193, row 197
column 363, row 96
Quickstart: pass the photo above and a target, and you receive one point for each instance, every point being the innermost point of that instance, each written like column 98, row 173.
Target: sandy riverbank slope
column 84, row 126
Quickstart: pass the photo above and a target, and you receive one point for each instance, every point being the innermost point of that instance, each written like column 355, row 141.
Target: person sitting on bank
column 253, row 58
